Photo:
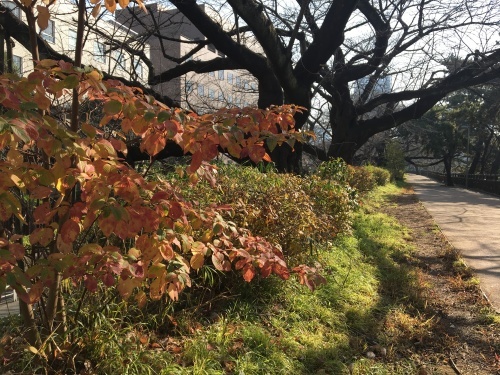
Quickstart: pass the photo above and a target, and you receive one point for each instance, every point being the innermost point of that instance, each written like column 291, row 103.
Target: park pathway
column 471, row 222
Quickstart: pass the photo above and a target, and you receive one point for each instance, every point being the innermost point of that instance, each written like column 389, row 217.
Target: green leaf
column 148, row 116
column 21, row 133
column 71, row 82
column 271, row 143
column 4, row 126
column 28, row 106
column 163, row 116
column 112, row 107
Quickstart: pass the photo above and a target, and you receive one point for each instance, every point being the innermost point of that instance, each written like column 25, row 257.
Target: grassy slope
column 282, row 328
column 276, row 327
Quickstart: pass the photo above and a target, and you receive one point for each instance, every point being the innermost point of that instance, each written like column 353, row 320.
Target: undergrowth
column 226, row 326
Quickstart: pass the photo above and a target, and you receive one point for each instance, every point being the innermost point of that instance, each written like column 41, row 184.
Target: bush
column 361, row 179
column 395, row 160
column 289, row 210
column 382, row 176
column 334, row 170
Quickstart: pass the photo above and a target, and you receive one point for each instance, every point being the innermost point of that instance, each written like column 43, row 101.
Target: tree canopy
column 403, row 58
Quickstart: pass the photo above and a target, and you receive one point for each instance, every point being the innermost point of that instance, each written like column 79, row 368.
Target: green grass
column 276, row 327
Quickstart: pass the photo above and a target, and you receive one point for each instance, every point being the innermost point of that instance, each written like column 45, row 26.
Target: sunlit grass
column 277, row 327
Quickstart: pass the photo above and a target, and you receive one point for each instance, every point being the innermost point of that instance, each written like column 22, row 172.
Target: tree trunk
column 495, row 166
column 486, row 151
column 477, row 156
column 447, row 167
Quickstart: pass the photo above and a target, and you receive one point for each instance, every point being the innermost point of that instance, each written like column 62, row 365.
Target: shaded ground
column 466, row 337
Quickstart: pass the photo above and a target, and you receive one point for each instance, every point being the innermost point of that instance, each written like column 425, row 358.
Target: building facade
column 178, row 40
column 61, row 36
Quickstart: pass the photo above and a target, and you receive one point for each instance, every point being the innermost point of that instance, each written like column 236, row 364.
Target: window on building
column 221, row 96
column 230, row 99
column 17, row 64
column 137, row 67
column 245, row 85
column 49, row 34
column 119, row 58
column 253, row 86
column 238, row 81
column 72, row 39
column 189, row 87
column 99, row 52
column 13, row 8
column 221, row 75
column 211, row 93
column 211, row 47
column 211, row 74
column 201, row 90
column 230, row 77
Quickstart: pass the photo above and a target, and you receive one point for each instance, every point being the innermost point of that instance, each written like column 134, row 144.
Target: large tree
column 323, row 49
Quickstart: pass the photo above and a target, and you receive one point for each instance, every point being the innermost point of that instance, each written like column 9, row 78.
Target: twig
column 454, row 366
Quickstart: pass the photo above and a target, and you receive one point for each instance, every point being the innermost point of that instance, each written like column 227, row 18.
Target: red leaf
column 107, row 224
column 256, row 153
column 41, row 192
column 196, row 160
column 91, row 283
column 70, row 231
column 209, row 150
column 108, row 279
column 175, row 210
column 17, row 250
column 43, row 214
column 266, row 269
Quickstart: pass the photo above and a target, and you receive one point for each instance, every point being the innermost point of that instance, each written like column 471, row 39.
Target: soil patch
column 466, row 338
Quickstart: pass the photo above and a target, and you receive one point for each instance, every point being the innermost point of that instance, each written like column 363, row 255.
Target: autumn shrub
column 334, row 170
column 361, row 179
column 382, row 176
column 73, row 212
column 295, row 212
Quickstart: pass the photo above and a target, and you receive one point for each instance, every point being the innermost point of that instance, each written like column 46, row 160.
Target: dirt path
column 466, row 333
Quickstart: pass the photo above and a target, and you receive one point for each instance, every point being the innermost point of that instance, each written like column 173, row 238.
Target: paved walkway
column 471, row 222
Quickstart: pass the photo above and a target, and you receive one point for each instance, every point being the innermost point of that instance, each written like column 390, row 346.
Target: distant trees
column 462, row 132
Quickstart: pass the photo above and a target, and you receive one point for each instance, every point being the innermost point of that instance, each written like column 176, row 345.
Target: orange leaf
column 197, row 261
column 173, row 292
column 43, row 17
column 166, row 251
column 123, row 3
column 96, row 10
column 110, row 5
column 256, row 153
column 248, row 273
column 154, row 143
